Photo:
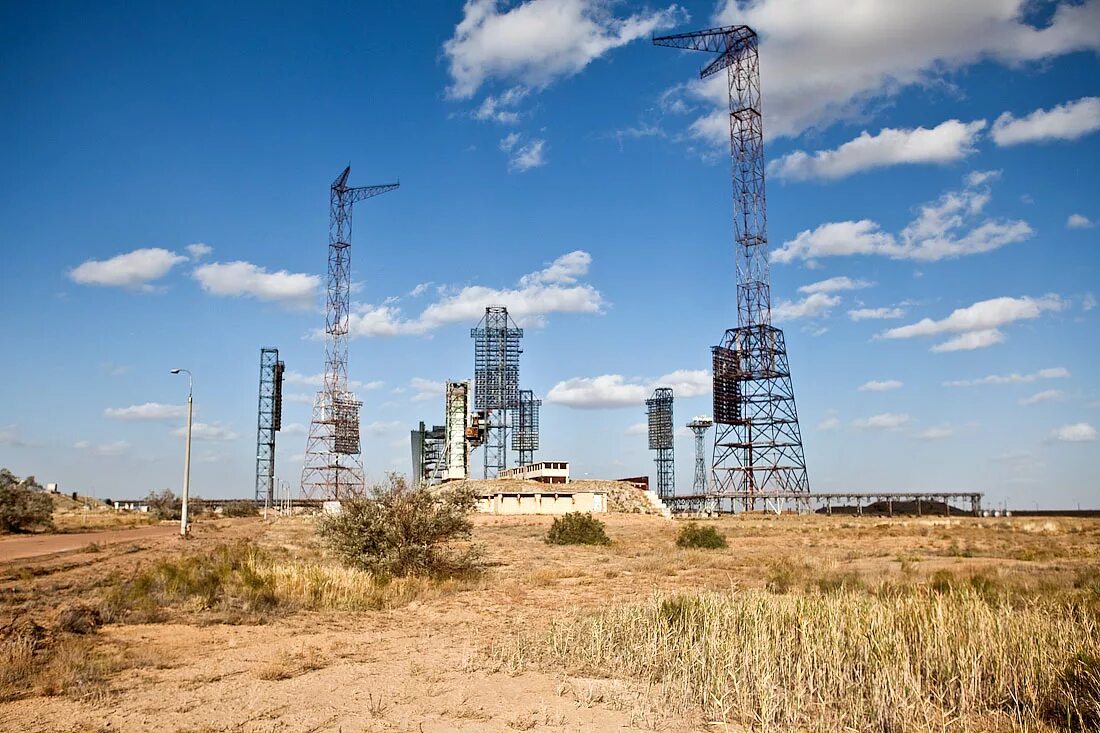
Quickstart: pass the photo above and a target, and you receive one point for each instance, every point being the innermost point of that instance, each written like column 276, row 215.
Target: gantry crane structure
column 699, row 427
column 496, row 381
column 333, row 468
column 269, row 420
column 525, row 427
column 757, row 443
column 661, row 438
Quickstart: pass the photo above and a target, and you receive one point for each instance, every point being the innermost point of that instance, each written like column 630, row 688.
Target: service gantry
column 661, row 437
column 496, row 381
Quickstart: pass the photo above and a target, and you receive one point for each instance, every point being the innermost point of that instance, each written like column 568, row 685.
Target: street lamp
column 186, row 456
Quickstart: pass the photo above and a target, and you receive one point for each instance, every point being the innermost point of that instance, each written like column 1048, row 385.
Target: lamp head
column 176, row 371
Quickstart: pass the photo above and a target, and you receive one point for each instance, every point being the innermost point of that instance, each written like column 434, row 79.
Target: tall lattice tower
column 659, row 414
column 333, row 469
column 757, row 442
column 525, row 427
column 496, row 381
column 269, row 420
column 699, row 426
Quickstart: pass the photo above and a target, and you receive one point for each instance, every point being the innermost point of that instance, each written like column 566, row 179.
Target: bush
column 403, row 531
column 704, row 536
column 240, row 509
column 576, row 528
column 165, row 504
column 21, row 507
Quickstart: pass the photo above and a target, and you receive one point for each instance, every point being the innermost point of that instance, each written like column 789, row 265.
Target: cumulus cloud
column 244, row 279
column 878, row 314
column 1047, row 395
column 198, row 250
column 937, row 433
column 527, row 156
column 317, row 380
column 812, row 306
column 537, row 42
column 1014, row 378
column 9, row 436
column 950, row 227
column 829, row 423
column 1079, row 221
column 1067, row 121
column 501, row 108
column 881, row 386
column 114, row 448
column 947, row 142
column 214, row 431
column 149, row 411
column 834, row 285
column 884, row 421
column 615, row 390
column 826, row 62
column 1080, row 432
column 425, row 389
column 978, row 325
column 553, row 289
column 133, row 270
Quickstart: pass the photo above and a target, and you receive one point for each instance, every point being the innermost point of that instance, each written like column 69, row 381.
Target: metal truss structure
column 699, row 426
column 883, row 503
column 428, row 450
column 757, row 444
column 661, row 438
column 333, row 469
column 496, row 381
column 525, row 427
column 269, row 421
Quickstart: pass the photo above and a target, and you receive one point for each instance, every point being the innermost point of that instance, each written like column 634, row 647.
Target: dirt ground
column 423, row 667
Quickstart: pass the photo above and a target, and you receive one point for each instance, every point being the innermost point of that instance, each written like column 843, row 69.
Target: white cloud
column 509, row 141
column 538, row 42
column 1047, row 395
column 554, row 289
column 829, row 423
column 1089, row 302
column 885, row 421
column 825, row 61
column 978, row 325
column 131, row 270
column 115, row 448
column 881, row 386
column 501, row 108
column 425, row 389
column 949, row 141
column 380, row 427
column 1067, row 121
column 1014, row 378
column 9, row 436
column 294, row 428
column 292, row 289
column 638, row 428
column 834, row 285
column 1080, row 432
column 864, row 314
column 937, row 433
column 812, row 306
column 318, row 380
column 298, row 398
column 147, row 411
column 198, row 250
column 949, row 227
column 206, row 431
column 527, row 156
column 1079, row 221
column 615, row 390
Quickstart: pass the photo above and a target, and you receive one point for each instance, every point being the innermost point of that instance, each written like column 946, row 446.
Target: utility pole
column 186, row 456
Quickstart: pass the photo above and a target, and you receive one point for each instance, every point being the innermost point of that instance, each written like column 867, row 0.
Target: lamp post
column 186, row 456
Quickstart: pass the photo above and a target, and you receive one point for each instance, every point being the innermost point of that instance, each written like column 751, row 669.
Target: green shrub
column 402, row 531
column 704, row 536
column 240, row 509
column 21, row 507
column 577, row 528
column 165, row 504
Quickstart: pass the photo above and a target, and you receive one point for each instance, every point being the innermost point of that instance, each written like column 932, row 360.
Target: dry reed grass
column 840, row 660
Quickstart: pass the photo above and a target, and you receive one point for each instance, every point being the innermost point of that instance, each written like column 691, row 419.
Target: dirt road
column 22, row 547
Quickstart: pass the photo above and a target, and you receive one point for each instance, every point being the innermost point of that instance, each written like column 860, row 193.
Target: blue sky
column 933, row 206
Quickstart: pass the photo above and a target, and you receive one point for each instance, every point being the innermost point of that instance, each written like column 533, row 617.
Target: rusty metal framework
column 269, row 420
column 757, row 443
column 661, row 439
column 429, row 449
column 496, row 381
column 333, row 469
column 525, row 427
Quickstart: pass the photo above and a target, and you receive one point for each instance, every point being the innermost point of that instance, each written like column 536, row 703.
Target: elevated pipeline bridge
column 884, row 503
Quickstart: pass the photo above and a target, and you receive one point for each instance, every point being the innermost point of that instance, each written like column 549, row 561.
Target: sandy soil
column 20, row 547
column 424, row 667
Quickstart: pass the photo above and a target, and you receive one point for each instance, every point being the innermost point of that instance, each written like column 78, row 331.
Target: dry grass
column 288, row 664
column 99, row 520
column 843, row 659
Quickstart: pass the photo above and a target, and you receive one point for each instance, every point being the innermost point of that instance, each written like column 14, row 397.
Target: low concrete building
column 545, row 472
column 537, row 501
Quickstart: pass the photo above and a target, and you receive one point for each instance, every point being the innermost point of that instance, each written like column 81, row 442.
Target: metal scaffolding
column 496, row 381
column 661, row 438
column 269, row 421
column 525, row 427
column 757, row 444
column 333, row 469
column 428, row 451
column 699, row 426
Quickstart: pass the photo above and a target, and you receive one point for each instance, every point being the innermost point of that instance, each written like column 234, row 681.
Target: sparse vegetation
column 240, row 509
column 577, row 528
column 700, row 535
column 23, row 505
column 402, row 531
column 165, row 504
